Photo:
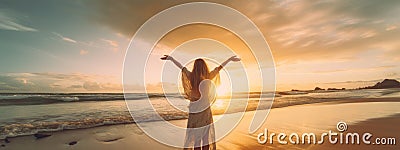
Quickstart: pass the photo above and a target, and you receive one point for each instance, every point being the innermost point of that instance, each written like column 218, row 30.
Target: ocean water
column 30, row 113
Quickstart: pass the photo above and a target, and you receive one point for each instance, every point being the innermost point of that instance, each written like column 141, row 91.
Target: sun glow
column 223, row 90
column 219, row 104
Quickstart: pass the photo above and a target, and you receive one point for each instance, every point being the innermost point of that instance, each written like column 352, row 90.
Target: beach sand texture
column 380, row 118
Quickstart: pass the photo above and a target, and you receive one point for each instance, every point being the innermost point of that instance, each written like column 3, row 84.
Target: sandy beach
column 380, row 118
column 209, row 74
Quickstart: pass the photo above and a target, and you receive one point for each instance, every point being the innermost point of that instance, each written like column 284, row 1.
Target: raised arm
column 217, row 69
column 167, row 57
column 233, row 58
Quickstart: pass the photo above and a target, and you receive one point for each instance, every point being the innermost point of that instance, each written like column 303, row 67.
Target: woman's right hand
column 166, row 57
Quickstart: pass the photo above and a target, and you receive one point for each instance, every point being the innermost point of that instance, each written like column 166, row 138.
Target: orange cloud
column 307, row 34
column 65, row 38
column 114, row 44
column 83, row 52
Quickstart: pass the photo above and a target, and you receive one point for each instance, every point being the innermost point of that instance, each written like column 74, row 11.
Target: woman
column 200, row 129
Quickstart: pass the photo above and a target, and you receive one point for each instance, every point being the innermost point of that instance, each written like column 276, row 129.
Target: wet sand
column 380, row 118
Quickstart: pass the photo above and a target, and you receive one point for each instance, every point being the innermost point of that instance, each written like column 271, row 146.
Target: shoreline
column 338, row 101
column 249, row 109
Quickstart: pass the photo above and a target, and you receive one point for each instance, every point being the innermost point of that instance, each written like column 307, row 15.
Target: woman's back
column 191, row 80
column 200, row 90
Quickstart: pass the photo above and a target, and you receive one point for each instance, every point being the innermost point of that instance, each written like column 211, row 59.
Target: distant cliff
column 385, row 84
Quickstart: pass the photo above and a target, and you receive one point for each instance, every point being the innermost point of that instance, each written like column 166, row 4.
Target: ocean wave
column 36, row 99
column 18, row 129
column 31, row 119
column 293, row 93
column 30, row 125
column 29, row 128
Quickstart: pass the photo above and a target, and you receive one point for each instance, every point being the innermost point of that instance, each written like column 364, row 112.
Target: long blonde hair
column 199, row 73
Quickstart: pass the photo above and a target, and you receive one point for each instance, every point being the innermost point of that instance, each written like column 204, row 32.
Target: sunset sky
column 79, row 45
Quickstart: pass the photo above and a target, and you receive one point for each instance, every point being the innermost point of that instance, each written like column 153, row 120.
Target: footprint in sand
column 108, row 137
column 73, row 143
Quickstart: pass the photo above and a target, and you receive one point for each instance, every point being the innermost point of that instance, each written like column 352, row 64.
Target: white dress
column 200, row 127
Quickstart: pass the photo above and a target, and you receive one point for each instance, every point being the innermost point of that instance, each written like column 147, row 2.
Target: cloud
column 391, row 27
column 12, row 23
column 58, row 82
column 324, row 40
column 64, row 38
column 113, row 44
column 91, row 86
column 296, row 30
column 99, row 44
column 75, row 86
column 67, row 82
column 370, row 68
column 83, row 52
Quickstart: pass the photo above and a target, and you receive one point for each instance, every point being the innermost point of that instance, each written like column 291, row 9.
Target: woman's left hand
column 234, row 58
column 166, row 57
